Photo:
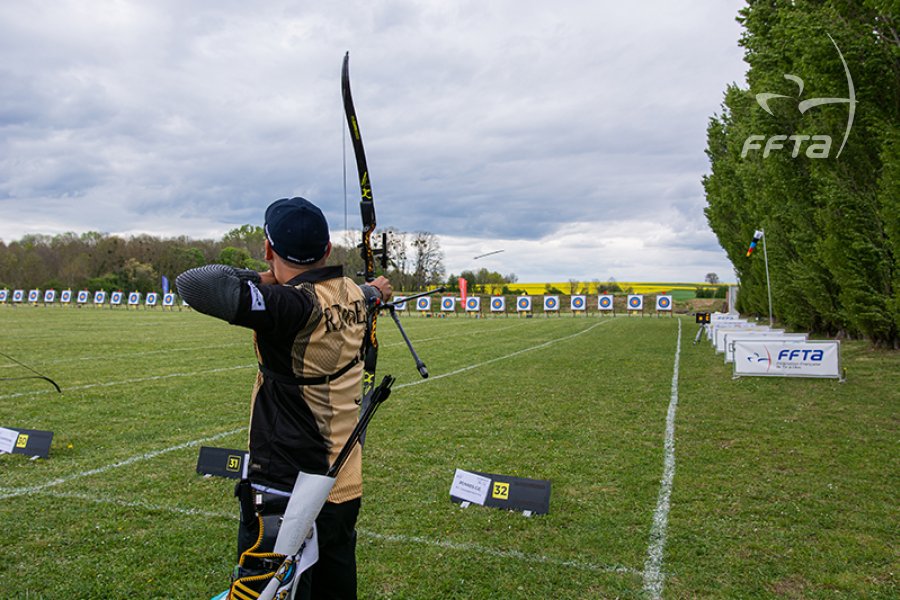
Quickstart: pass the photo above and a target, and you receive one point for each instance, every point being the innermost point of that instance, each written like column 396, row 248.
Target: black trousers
column 333, row 577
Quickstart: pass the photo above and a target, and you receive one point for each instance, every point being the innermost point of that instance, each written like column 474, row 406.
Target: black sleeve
column 215, row 290
column 277, row 310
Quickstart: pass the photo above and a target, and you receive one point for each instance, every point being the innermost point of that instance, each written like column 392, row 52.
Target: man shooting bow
column 309, row 325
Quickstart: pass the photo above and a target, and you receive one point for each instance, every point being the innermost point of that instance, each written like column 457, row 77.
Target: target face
column 524, row 303
column 423, row 304
column 18, row 295
column 498, row 304
column 473, row 304
column 578, row 303
column 152, row 297
column 448, row 303
column 169, row 299
column 551, row 303
column 99, row 297
column 635, row 302
column 663, row 303
column 605, row 303
column 134, row 298
column 49, row 296
column 116, row 298
column 33, row 295
column 4, row 294
column 82, row 297
column 66, row 296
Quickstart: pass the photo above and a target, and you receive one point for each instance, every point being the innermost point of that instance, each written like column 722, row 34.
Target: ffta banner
column 784, row 358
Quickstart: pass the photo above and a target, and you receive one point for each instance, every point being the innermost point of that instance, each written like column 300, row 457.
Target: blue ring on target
column 664, row 302
column 578, row 302
column 497, row 303
column 523, row 303
column 605, row 301
column 634, row 302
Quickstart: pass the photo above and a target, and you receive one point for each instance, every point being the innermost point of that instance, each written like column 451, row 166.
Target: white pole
column 768, row 282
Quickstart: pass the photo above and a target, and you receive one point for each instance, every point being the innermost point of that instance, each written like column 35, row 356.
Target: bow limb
column 367, row 212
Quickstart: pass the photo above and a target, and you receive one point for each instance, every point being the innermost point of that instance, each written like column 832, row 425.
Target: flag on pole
column 463, row 288
column 757, row 235
column 165, row 285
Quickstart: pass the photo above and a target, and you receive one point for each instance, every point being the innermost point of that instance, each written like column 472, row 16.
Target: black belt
column 291, row 380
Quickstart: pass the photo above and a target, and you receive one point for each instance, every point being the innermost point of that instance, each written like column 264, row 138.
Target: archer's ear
column 327, row 251
column 270, row 254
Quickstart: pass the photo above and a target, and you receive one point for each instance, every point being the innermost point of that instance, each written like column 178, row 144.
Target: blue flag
column 165, row 284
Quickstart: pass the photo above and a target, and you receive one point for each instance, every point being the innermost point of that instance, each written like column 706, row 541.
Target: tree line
column 830, row 211
column 99, row 261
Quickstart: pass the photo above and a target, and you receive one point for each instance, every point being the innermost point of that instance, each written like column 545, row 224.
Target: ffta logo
column 819, row 145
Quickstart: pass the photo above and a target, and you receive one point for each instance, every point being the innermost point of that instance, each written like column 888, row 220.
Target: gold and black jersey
column 308, row 336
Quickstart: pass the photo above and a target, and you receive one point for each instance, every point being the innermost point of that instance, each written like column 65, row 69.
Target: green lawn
column 782, row 488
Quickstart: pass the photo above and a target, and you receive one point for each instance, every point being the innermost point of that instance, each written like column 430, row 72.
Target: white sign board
column 470, row 486
column 718, row 334
column 758, row 335
column 785, row 358
column 8, row 439
column 717, row 316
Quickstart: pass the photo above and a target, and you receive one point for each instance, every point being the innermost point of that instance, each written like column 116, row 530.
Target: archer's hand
column 383, row 286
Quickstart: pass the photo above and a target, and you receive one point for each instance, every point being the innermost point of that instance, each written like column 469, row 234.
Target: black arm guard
column 214, row 290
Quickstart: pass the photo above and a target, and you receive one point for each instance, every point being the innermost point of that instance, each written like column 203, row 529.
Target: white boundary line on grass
column 382, row 537
column 653, row 574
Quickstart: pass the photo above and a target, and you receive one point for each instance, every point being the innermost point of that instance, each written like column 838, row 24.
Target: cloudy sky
column 569, row 134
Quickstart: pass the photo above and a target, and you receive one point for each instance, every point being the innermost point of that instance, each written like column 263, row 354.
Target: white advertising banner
column 717, row 316
column 786, row 358
column 718, row 333
column 758, row 335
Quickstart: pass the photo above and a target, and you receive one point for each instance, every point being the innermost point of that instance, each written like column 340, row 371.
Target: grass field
column 780, row 488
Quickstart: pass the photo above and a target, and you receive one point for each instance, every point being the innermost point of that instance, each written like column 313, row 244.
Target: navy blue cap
column 297, row 230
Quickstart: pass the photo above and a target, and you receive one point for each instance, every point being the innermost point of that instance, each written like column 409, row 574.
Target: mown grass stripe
column 88, row 386
column 381, row 537
column 11, row 493
column 14, row 492
column 504, row 357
